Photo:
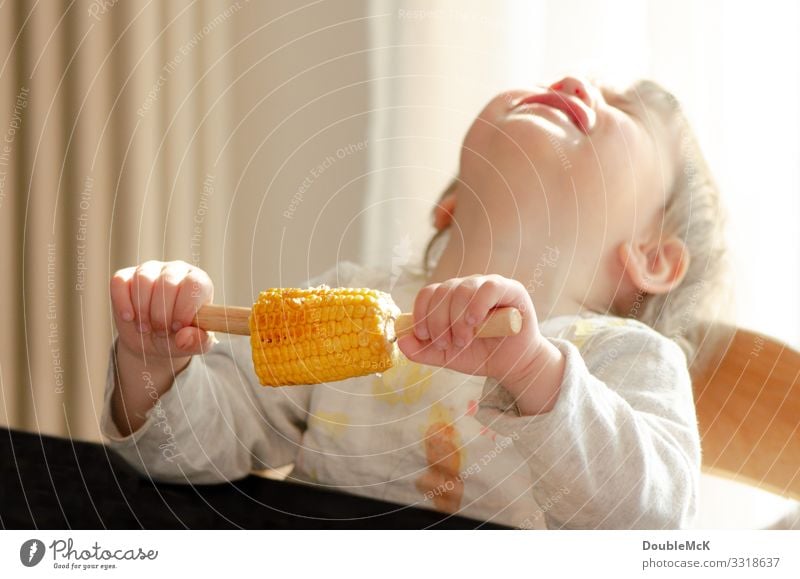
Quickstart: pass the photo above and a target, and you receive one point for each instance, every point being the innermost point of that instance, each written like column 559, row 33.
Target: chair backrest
column 747, row 393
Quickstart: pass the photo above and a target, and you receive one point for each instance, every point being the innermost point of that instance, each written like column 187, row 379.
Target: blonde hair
column 693, row 213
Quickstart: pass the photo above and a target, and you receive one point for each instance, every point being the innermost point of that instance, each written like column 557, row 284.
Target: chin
column 542, row 147
column 531, row 145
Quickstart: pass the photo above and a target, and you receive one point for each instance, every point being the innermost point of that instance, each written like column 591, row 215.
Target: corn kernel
column 307, row 336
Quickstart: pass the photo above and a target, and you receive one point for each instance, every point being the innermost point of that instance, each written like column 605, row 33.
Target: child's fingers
column 196, row 290
column 165, row 292
column 142, row 291
column 462, row 330
column 191, row 341
column 420, row 351
column 120, row 289
column 494, row 291
column 439, row 316
column 421, row 303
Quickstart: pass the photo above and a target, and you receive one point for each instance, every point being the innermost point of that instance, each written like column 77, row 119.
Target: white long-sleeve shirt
column 620, row 449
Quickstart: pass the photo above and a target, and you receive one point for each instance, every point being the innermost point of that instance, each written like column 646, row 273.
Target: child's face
column 573, row 136
column 576, row 161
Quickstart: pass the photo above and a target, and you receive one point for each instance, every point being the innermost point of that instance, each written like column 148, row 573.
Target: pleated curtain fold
column 113, row 116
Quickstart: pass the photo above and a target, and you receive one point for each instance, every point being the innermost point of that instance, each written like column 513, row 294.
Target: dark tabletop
column 57, row 483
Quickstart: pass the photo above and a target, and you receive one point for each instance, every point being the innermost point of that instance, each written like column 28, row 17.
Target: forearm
column 622, row 469
column 628, row 457
column 212, row 421
column 139, row 385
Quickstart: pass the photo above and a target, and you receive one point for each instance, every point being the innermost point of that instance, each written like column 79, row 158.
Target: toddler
column 588, row 209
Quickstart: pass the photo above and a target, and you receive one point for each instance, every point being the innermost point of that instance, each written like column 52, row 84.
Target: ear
column 655, row 267
column 444, row 209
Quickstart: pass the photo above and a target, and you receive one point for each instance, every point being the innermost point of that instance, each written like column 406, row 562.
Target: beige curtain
column 435, row 66
column 143, row 130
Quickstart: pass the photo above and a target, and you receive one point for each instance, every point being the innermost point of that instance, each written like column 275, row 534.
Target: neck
column 541, row 268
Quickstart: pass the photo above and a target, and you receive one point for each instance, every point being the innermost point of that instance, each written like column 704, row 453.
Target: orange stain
column 442, row 480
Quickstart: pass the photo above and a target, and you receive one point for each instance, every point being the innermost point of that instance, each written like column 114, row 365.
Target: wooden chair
column 747, row 393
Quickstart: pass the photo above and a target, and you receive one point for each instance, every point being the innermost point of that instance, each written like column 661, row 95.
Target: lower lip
column 563, row 115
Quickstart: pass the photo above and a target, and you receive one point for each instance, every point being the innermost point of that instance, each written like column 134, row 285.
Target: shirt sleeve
column 621, row 448
column 216, row 422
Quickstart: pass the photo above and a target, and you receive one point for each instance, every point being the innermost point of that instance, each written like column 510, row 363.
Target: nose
column 576, row 87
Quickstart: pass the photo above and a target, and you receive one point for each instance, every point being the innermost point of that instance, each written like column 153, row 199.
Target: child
column 588, row 209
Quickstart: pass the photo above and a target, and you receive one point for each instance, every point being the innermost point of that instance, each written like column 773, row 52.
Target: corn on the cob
column 307, row 336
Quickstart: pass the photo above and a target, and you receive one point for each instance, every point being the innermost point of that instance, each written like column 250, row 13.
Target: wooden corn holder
column 236, row 320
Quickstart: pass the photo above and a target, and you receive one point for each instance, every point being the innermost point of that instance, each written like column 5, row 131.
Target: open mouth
column 576, row 110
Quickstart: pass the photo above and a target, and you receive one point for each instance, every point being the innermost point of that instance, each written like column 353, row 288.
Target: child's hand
column 445, row 318
column 154, row 304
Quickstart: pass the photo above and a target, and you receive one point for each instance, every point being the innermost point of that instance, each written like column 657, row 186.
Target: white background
column 391, row 554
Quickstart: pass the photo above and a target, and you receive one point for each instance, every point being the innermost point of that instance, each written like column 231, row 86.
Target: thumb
column 420, row 352
column 190, row 340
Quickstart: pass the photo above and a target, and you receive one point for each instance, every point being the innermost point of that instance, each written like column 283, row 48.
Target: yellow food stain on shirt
column 332, row 423
column 584, row 329
column 402, row 384
column 442, row 482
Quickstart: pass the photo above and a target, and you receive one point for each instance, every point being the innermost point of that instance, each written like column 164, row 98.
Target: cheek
column 634, row 168
column 619, row 160
column 602, row 180
column 627, row 182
